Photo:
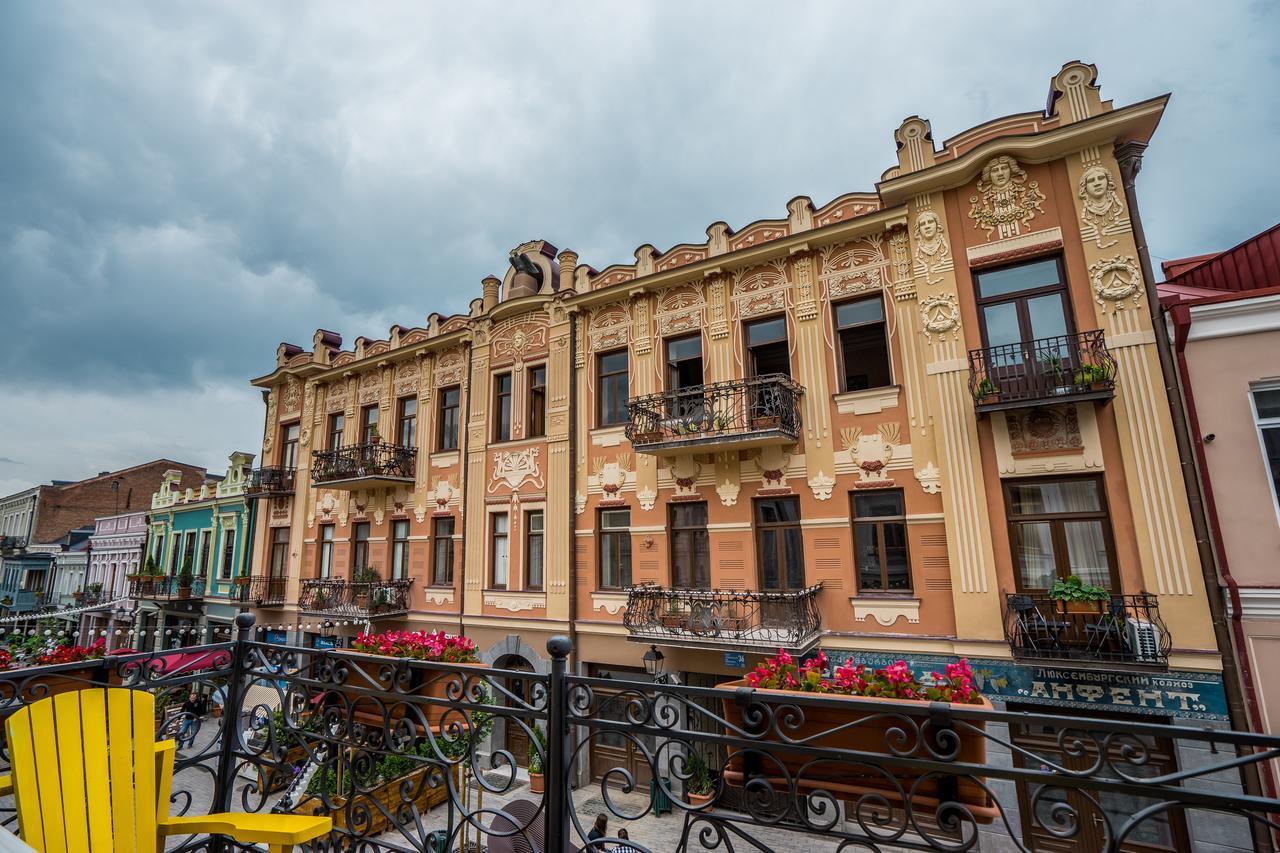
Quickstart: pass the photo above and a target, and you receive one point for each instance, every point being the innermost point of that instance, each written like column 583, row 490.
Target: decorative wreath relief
column 939, row 314
column 1116, row 280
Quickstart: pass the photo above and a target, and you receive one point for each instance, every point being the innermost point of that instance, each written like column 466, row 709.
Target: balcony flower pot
column 892, row 727
column 537, row 783
column 646, row 438
column 766, row 422
column 1075, row 596
column 242, row 580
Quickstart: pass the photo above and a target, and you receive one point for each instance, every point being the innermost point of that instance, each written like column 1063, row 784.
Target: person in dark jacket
column 600, row 830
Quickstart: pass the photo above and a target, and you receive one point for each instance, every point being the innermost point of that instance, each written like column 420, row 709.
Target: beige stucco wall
column 1221, row 370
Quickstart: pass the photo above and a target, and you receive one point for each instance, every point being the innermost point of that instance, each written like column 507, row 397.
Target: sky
column 185, row 185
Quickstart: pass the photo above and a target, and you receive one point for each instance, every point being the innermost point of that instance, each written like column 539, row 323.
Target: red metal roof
column 1252, row 265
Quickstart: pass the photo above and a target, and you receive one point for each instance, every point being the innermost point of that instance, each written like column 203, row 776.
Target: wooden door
column 611, row 751
column 516, row 739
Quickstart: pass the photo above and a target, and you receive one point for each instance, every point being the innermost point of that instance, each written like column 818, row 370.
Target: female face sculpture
column 927, row 225
column 999, row 173
column 1096, row 183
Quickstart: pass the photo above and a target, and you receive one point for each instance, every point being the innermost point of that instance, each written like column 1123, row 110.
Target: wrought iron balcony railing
column 1125, row 629
column 261, row 590
column 1066, row 368
column 270, row 482
column 88, row 597
column 167, row 587
column 741, row 412
column 363, row 465
column 362, row 600
column 725, row 619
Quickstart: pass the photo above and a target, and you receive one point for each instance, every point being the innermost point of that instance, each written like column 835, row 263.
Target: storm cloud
column 183, row 185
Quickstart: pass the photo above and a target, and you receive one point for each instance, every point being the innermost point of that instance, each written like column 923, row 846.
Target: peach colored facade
column 880, row 426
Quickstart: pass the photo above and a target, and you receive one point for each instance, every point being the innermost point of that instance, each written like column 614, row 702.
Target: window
column 767, row 347
column 206, row 537
column 228, row 553
column 880, row 542
column 502, row 407
column 611, row 388
column 537, row 401
column 337, row 423
column 780, row 546
column 407, row 423
column 368, row 424
column 399, row 549
column 1020, row 304
column 175, row 559
column 359, row 546
column 499, row 552
column 533, row 549
column 684, row 362
column 615, row 548
column 864, row 347
column 442, row 559
column 279, row 552
column 326, row 552
column 289, row 446
column 690, row 547
column 450, row 401
column 1266, row 411
column 1059, row 528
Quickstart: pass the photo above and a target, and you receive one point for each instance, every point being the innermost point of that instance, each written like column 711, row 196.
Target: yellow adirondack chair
column 89, row 776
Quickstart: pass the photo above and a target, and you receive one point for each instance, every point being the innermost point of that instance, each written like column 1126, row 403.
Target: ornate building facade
column 897, row 424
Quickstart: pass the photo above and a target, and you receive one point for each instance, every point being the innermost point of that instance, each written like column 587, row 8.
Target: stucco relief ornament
column 291, row 397
column 1007, row 200
column 933, row 256
column 939, row 315
column 515, row 468
column 647, row 497
column 1116, row 280
column 930, row 478
column 1101, row 210
column 728, row 491
column 821, row 484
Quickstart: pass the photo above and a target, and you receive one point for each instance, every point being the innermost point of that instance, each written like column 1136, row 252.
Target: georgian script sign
column 1180, row 693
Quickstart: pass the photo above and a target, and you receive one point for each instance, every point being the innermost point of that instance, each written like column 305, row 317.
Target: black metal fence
column 167, row 587
column 747, row 619
column 416, row 756
column 712, row 413
column 268, row 481
column 358, row 599
column 1063, row 368
column 262, row 590
column 363, row 460
column 1121, row 629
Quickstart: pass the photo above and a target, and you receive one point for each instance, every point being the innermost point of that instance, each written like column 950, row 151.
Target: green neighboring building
column 199, row 540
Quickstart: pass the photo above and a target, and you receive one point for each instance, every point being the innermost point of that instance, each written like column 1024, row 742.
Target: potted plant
column 537, row 749
column 93, row 592
column 1095, row 377
column 673, row 615
column 241, row 580
column 1053, row 366
column 1075, row 596
column 984, row 390
column 889, row 711
column 700, row 786
column 375, row 437
column 759, row 422
column 185, row 579
column 90, row 674
column 455, row 684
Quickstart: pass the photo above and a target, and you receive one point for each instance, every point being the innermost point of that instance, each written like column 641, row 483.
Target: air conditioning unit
column 1143, row 639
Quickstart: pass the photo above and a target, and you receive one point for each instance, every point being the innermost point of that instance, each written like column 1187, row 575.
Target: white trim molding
column 886, row 611
column 1259, row 602
column 612, row 603
column 869, row 402
column 1237, row 317
column 515, row 600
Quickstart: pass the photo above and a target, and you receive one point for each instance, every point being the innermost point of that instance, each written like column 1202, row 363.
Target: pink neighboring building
column 115, row 552
column 1224, row 317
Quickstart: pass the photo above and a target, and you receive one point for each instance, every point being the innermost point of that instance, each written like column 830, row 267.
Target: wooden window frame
column 399, row 549
column 449, row 416
column 286, row 443
column 279, row 553
column 448, row 556
column 529, row 549
column 748, row 362
column 879, row 522
column 1061, row 556
column 536, row 419
column 602, row 420
column 670, row 365
column 337, row 425
column 883, row 323
column 409, row 437
column 759, row 525
column 493, row 549
column 368, row 427
column 1021, row 297
column 360, row 546
column 610, row 539
column 324, row 554
column 675, row 536
column 502, row 431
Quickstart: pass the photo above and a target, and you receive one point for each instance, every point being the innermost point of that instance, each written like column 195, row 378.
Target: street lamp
column 653, row 663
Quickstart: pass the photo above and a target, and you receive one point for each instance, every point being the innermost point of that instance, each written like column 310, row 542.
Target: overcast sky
column 183, row 186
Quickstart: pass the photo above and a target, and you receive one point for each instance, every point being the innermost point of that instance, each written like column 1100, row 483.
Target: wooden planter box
column 1090, row 607
column 770, row 422
column 423, row 682
column 35, row 685
column 828, row 728
column 388, row 796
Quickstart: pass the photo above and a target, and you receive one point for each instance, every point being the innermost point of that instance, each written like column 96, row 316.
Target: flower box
column 830, row 728
column 374, row 812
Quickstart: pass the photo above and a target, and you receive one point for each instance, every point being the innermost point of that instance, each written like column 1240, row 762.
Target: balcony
column 364, row 466
column 716, row 619
column 166, row 588
column 1062, row 369
column 739, row 414
column 1126, row 629
column 270, row 483
column 21, row 600
column 10, row 545
column 377, row 599
column 261, row 590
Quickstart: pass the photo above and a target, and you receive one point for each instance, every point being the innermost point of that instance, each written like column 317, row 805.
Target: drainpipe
column 463, row 464
column 1129, row 158
column 573, row 489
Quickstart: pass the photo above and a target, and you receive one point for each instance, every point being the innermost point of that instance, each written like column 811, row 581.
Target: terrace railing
column 167, row 587
column 263, row 590
column 740, row 411
column 361, row 600
column 412, row 756
column 1061, row 369
column 1123, row 629
column 728, row 619
column 363, row 462
column 270, row 482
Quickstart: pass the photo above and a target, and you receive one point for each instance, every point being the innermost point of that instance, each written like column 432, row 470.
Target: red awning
column 180, row 663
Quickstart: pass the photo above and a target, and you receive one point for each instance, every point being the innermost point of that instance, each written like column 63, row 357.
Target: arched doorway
column 514, row 737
